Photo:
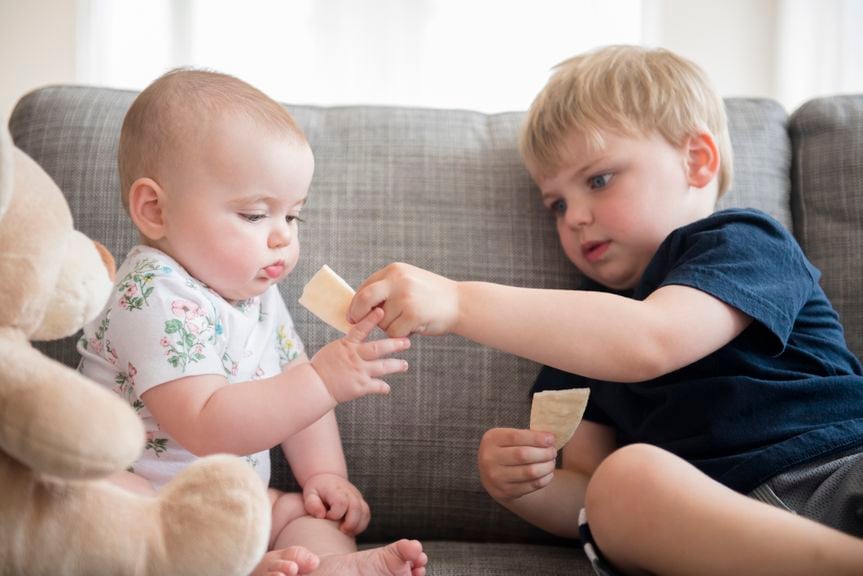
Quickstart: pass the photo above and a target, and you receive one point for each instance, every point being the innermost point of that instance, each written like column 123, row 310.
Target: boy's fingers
column 369, row 295
column 361, row 330
column 402, row 326
column 527, row 455
column 513, row 437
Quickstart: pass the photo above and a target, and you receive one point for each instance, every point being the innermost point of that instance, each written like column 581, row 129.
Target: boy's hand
column 351, row 367
column 415, row 301
column 514, row 462
column 333, row 497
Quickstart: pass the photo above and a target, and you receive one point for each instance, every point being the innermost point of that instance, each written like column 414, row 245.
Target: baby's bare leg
column 652, row 512
column 289, row 560
column 292, row 527
column 132, row 482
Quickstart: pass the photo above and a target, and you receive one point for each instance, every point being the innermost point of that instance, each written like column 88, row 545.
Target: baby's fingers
column 378, row 348
column 314, row 505
column 364, row 327
column 356, row 519
column 378, row 368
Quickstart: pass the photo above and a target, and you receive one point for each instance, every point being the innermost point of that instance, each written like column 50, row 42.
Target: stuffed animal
column 61, row 434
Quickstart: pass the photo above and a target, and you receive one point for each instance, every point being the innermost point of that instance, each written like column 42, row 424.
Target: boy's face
column 615, row 206
column 231, row 209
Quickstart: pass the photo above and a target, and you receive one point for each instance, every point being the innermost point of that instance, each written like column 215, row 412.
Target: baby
column 214, row 174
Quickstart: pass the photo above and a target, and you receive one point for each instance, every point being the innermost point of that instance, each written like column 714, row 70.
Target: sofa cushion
column 442, row 189
column 827, row 200
column 762, row 158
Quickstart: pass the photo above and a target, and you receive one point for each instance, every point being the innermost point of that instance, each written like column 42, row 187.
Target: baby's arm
column 318, row 463
column 206, row 415
column 595, row 334
column 517, row 469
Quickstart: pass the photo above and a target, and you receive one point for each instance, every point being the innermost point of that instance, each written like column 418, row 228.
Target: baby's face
column 231, row 213
column 614, row 206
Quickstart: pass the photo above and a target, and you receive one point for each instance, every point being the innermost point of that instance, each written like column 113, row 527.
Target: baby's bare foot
column 402, row 558
column 291, row 561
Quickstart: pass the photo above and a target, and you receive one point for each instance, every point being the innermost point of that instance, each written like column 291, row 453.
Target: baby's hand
column 351, row 367
column 416, row 301
column 513, row 462
column 332, row 497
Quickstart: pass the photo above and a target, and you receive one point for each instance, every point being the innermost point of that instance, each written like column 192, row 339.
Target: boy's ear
column 702, row 159
column 146, row 207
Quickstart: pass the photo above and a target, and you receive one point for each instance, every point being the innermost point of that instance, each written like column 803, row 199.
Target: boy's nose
column 578, row 215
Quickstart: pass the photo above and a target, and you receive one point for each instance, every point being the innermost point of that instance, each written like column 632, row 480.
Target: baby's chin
column 234, row 296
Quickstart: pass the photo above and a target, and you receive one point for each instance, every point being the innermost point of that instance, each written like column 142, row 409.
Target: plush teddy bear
column 61, row 434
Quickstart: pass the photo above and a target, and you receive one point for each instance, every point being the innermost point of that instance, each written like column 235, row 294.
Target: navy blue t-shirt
column 785, row 391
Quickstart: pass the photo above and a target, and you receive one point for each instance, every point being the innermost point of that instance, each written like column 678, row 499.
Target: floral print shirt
column 161, row 324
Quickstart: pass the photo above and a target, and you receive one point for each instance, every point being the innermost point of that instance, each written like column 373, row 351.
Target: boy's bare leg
column 294, row 529
column 652, row 512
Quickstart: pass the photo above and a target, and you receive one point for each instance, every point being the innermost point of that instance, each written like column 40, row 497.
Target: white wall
column 734, row 40
column 37, row 46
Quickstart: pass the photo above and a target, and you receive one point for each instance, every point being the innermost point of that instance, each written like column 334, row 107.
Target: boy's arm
column 555, row 507
column 595, row 334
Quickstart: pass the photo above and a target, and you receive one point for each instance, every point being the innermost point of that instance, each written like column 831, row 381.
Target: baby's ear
column 702, row 159
column 146, row 199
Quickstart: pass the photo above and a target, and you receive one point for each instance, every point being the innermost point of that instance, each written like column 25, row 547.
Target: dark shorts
column 828, row 490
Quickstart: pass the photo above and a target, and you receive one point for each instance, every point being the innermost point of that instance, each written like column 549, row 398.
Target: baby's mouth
column 273, row 271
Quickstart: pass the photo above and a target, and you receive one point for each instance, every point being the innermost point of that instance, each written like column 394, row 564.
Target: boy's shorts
column 828, row 490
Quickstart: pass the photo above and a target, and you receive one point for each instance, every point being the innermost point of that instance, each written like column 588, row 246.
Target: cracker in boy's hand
column 328, row 297
column 558, row 412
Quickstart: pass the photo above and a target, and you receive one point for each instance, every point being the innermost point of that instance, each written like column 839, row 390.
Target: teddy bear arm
column 56, row 421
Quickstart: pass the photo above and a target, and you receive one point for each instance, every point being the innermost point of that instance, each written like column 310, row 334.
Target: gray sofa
column 444, row 189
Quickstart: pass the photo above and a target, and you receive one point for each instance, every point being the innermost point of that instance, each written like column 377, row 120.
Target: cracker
column 558, row 412
column 328, row 297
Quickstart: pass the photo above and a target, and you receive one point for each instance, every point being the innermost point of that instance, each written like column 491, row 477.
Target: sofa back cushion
column 827, row 199
column 440, row 189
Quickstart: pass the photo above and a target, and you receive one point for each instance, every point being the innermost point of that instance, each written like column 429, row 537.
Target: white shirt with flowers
column 162, row 324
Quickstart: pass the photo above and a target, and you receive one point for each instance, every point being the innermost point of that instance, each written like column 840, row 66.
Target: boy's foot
column 291, row 561
column 402, row 558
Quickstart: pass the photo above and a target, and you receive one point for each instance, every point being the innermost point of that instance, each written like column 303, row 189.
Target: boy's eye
column 253, row 217
column 599, row 181
column 291, row 219
column 558, row 207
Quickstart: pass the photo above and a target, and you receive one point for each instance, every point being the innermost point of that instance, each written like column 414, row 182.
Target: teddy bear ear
column 6, row 166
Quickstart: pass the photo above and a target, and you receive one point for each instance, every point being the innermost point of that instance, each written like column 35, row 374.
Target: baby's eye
column 599, row 181
column 253, row 217
column 293, row 218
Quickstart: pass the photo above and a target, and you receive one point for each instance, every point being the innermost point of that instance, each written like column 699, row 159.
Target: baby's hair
column 629, row 90
column 167, row 114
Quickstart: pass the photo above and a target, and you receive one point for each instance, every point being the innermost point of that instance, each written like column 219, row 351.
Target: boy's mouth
column 275, row 270
column 593, row 251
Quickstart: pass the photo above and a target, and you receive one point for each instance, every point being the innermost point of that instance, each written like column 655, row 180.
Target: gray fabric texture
column 827, row 200
column 829, row 491
column 442, row 189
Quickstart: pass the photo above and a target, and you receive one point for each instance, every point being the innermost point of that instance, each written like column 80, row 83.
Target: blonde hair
column 630, row 90
column 167, row 115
